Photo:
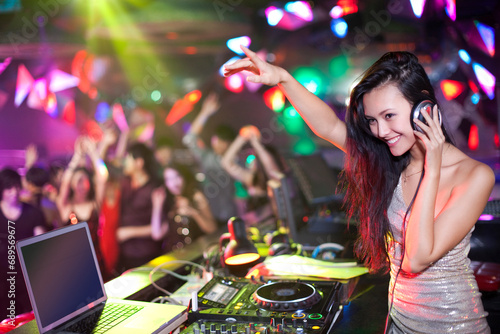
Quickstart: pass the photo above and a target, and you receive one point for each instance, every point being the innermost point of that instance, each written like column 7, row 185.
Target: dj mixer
column 235, row 305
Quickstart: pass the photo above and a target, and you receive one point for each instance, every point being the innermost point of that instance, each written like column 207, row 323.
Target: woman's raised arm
column 316, row 113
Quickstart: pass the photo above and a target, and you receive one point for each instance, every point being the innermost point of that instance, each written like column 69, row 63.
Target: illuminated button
column 237, row 307
column 315, row 327
column 315, row 316
column 239, row 304
column 298, row 315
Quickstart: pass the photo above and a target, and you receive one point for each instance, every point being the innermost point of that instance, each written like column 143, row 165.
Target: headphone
column 327, row 251
column 282, row 248
column 426, row 105
column 278, row 236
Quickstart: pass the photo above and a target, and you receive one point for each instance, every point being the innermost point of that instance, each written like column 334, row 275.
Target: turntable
column 285, row 296
column 236, row 305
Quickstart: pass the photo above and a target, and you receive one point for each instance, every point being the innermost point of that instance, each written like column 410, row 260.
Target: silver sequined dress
column 443, row 298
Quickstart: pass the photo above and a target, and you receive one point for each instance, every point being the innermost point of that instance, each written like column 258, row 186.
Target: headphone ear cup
column 416, row 113
column 327, row 251
column 279, row 248
column 276, row 237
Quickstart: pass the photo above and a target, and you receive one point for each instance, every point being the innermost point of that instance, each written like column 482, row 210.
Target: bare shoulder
column 464, row 169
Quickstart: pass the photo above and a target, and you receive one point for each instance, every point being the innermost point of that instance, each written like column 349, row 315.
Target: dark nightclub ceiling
column 123, row 51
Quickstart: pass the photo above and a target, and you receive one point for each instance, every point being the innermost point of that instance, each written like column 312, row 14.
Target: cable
column 403, row 249
column 166, row 271
column 164, row 299
column 158, row 267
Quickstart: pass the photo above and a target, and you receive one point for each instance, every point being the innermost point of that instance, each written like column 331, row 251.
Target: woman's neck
column 139, row 179
column 78, row 199
column 417, row 154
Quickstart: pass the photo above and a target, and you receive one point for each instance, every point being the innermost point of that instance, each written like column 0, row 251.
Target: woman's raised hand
column 432, row 137
column 79, row 146
column 250, row 131
column 210, row 105
column 264, row 72
column 158, row 196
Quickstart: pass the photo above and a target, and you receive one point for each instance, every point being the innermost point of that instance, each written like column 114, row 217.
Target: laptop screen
column 61, row 274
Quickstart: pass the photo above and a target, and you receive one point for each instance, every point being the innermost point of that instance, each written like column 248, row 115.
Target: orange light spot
column 191, row 50
column 242, row 259
column 172, row 35
column 451, row 89
column 473, row 137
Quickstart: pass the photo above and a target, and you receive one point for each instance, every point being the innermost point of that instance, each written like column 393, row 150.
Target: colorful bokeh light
column 234, row 83
column 339, row 27
column 488, row 36
column 418, row 7
column 486, row 79
column 274, row 99
column 451, row 88
column 300, row 9
column 234, row 44
column 312, row 79
column 464, row 55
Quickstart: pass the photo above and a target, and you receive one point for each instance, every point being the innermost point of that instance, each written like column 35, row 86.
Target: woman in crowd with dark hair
column 416, row 195
column 18, row 221
column 82, row 191
column 180, row 208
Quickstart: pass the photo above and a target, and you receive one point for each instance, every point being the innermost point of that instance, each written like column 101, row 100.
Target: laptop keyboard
column 101, row 322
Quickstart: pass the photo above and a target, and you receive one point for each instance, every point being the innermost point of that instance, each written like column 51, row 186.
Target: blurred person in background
column 182, row 209
column 18, row 220
column 138, row 244
column 266, row 165
column 218, row 186
column 82, row 191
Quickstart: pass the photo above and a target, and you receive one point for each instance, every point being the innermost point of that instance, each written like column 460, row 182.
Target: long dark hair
column 371, row 172
column 191, row 186
column 9, row 178
column 140, row 150
column 90, row 176
column 260, row 177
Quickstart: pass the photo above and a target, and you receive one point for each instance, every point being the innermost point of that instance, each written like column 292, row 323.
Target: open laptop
column 65, row 285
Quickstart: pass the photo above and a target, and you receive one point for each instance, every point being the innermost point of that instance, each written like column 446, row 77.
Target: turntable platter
column 282, row 296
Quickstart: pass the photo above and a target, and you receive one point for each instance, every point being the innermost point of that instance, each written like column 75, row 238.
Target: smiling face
column 388, row 114
column 173, row 181
column 11, row 195
column 80, row 184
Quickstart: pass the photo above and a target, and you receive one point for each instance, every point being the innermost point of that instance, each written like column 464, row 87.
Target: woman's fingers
column 433, row 125
column 239, row 65
column 253, row 56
